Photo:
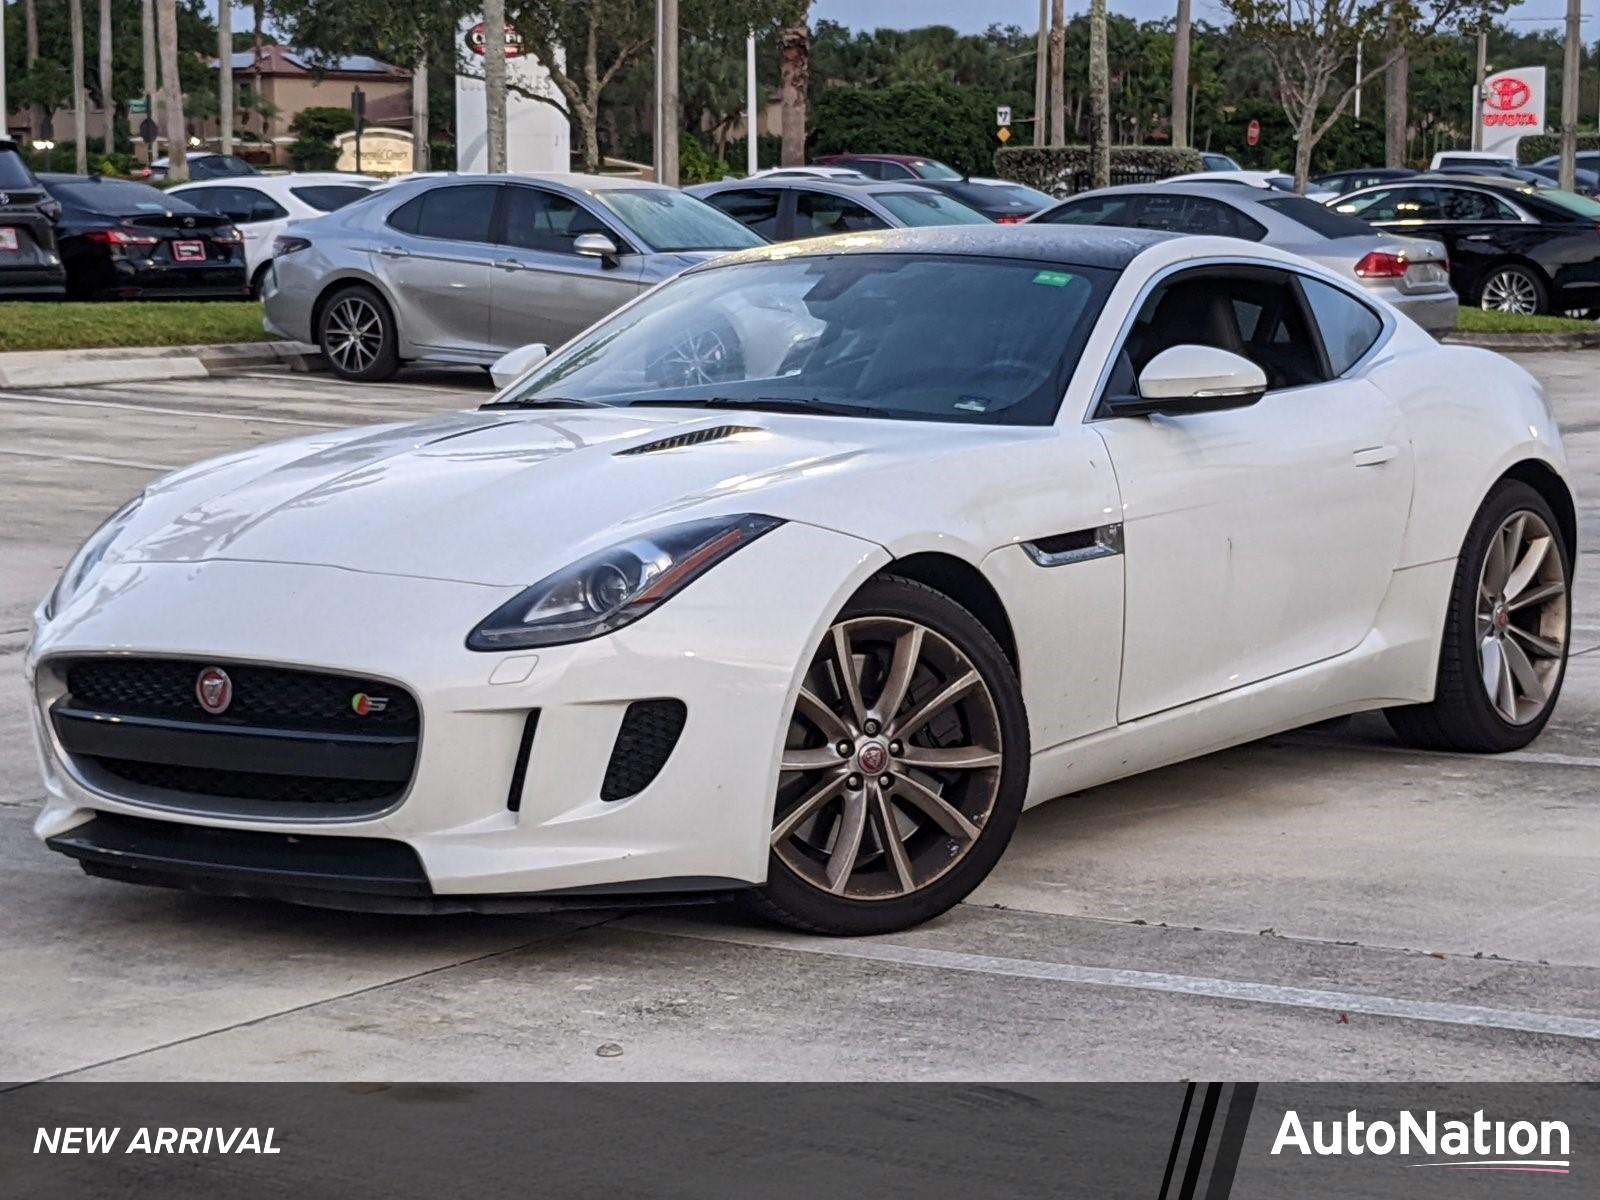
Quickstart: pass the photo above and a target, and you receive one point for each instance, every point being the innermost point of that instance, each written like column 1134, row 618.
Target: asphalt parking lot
column 1321, row 905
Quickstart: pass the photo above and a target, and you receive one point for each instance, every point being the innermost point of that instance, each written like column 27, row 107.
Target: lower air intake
column 650, row 730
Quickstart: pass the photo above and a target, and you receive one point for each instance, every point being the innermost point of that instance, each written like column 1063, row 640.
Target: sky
column 973, row 16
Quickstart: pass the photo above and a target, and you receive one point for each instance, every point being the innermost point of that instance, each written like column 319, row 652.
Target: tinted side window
column 817, row 214
column 870, row 167
column 1456, row 204
column 1094, row 210
column 1395, row 204
column 537, row 220
column 756, row 209
column 325, row 197
column 1348, row 326
column 14, row 171
column 1196, row 214
column 458, row 214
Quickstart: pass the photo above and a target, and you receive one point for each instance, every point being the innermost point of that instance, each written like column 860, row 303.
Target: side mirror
column 596, row 245
column 512, row 365
column 1192, row 379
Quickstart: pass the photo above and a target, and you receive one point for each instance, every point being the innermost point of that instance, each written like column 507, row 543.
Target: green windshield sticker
column 1053, row 278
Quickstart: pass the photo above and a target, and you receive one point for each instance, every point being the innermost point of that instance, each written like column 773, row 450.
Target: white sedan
column 263, row 205
column 799, row 577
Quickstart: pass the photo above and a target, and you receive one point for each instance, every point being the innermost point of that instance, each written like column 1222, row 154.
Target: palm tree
column 1099, row 98
column 419, row 106
column 171, row 91
column 1180, row 77
column 80, row 107
column 107, row 95
column 30, row 17
column 147, row 31
column 795, row 43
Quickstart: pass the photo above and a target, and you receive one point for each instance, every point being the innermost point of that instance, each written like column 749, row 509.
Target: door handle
column 1374, row 456
column 1480, row 237
column 394, row 252
column 510, row 264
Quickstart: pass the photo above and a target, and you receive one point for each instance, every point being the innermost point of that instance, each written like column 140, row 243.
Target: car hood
column 504, row 498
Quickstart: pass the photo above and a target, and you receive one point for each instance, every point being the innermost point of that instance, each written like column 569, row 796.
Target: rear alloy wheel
column 357, row 336
column 904, row 767
column 1505, row 645
column 1513, row 289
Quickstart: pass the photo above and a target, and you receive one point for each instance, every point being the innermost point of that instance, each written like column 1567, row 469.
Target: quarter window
column 756, row 209
column 1395, row 204
column 1349, row 327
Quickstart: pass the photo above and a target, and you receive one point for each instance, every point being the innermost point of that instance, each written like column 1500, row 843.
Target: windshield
column 927, row 168
column 929, row 208
column 672, row 221
column 977, row 340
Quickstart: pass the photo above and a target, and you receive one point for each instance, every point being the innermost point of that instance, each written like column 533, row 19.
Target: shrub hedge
column 952, row 124
column 1543, row 145
column 1051, row 169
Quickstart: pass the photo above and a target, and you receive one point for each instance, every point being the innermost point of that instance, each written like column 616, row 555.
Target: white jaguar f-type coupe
column 800, row 577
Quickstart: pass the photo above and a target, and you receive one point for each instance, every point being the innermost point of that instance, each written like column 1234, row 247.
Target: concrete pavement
column 1321, row 905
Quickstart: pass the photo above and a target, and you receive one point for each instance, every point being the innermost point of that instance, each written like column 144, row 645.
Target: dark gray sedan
column 462, row 268
column 782, row 209
column 1410, row 273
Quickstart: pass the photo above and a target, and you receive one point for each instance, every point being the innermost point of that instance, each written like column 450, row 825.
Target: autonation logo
column 1476, row 1145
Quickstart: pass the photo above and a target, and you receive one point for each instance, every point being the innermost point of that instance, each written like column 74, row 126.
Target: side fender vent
column 678, row 441
column 649, row 732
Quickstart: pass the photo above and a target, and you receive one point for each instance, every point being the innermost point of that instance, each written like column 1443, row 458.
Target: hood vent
column 696, row 437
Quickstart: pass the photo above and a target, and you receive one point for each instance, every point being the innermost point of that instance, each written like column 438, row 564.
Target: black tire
column 1516, row 274
column 1462, row 717
column 378, row 357
column 790, row 899
column 258, row 279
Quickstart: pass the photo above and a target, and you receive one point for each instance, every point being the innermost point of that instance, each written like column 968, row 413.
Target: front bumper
column 729, row 648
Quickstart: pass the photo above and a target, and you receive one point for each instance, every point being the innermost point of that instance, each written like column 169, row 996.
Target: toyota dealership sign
column 1512, row 106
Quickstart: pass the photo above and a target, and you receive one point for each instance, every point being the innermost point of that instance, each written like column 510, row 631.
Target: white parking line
column 163, row 412
column 1517, row 1020
column 95, row 459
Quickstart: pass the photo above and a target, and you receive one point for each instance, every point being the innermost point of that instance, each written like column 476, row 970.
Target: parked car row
column 89, row 237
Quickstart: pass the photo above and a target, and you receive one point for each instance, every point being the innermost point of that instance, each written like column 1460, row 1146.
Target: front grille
column 289, row 743
column 245, row 785
column 273, row 696
column 650, row 729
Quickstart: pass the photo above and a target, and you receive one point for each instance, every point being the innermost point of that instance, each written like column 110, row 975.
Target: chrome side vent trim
column 696, row 437
column 1080, row 545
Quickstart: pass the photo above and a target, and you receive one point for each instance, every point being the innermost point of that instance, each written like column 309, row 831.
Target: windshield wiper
column 770, row 404
column 543, row 402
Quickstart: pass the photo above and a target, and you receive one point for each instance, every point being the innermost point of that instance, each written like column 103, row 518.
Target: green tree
column 943, row 121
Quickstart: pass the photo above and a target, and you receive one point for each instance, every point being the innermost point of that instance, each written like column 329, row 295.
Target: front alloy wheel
column 903, row 767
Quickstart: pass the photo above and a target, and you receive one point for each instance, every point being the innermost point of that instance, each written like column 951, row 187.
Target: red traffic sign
column 1253, row 132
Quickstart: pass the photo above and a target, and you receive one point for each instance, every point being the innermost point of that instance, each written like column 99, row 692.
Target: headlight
column 89, row 557
column 617, row 586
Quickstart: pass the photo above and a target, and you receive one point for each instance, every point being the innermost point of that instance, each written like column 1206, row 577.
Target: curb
column 144, row 364
column 1578, row 339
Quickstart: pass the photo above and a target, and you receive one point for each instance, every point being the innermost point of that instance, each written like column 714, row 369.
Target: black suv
column 30, row 265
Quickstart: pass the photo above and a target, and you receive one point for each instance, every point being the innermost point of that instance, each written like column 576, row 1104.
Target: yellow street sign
column 1005, row 134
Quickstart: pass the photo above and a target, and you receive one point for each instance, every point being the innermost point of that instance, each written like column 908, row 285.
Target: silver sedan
column 462, row 268
column 1412, row 274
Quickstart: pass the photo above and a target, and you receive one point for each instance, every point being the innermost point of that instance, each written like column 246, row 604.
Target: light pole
column 667, row 92
column 752, row 157
column 4, row 107
column 1477, row 89
column 1569, row 96
column 1041, row 75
